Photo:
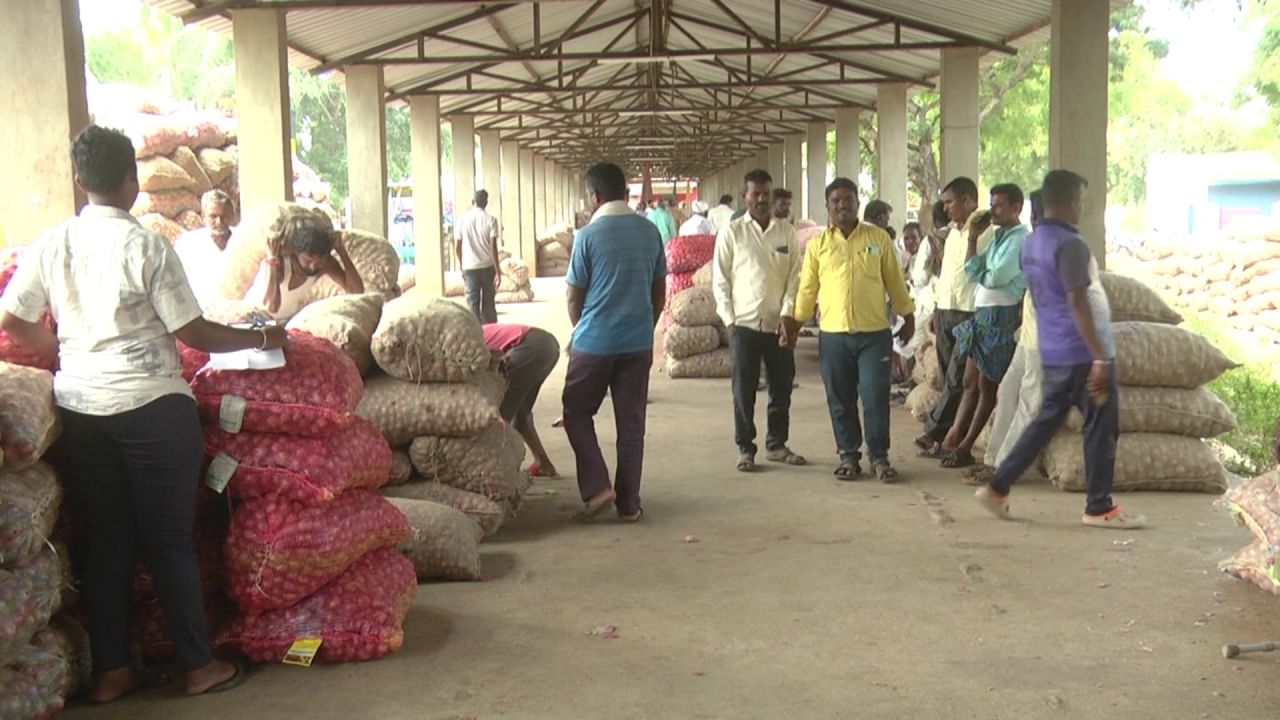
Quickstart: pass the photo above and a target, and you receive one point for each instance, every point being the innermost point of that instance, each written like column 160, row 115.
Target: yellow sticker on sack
column 303, row 651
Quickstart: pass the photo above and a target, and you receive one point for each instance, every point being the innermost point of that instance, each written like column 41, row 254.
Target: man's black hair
column 312, row 239
column 876, row 208
column 482, row 198
column 608, row 181
column 913, row 224
column 1037, row 203
column 217, row 196
column 940, row 217
column 1011, row 192
column 781, row 194
column 1061, row 187
column 962, row 186
column 726, row 199
column 103, row 159
column 757, row 176
column 841, row 183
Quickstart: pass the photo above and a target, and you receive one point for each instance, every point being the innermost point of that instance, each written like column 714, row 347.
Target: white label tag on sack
column 221, row 468
column 231, row 413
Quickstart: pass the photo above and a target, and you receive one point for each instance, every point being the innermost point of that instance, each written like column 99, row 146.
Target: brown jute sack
column 185, row 158
column 161, row 173
column 217, row 164
column 1130, row 299
column 158, row 223
column 347, row 321
column 168, row 203
column 715, row 364
column 522, row 295
column 401, row 468
column 425, row 339
column 695, row 307
column 702, row 278
column 920, row 401
column 445, row 542
column 1195, row 412
column 29, row 502
column 488, row 463
column 1255, row 504
column 1144, row 461
column 248, row 246
column 1254, row 563
column 376, row 261
column 683, row 342
column 488, row 515
column 29, row 422
column 404, row 410
column 1153, row 354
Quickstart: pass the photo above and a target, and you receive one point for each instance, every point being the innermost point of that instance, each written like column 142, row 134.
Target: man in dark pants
column 849, row 269
column 955, row 297
column 529, row 354
column 617, row 286
column 1073, row 325
column 476, row 242
column 755, row 276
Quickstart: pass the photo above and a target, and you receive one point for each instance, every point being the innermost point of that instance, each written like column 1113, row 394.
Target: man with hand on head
column 755, row 277
column 295, row 261
column 849, row 269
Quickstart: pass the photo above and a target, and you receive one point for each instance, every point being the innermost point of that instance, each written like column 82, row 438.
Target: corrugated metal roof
column 498, row 88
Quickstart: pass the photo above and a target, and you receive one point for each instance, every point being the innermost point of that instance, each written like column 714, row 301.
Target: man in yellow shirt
column 955, row 296
column 848, row 269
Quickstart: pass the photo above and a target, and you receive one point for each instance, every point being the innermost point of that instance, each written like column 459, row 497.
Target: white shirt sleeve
column 171, row 296
column 721, row 275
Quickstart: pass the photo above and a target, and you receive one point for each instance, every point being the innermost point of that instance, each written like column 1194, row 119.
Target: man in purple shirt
column 1077, row 354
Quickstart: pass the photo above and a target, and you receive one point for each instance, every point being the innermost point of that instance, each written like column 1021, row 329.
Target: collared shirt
column 756, row 273
column 955, row 291
column 118, row 293
column 697, row 225
column 849, row 277
column 203, row 264
column 998, row 268
column 1057, row 261
column 292, row 300
column 616, row 259
column 665, row 223
column 478, row 231
column 720, row 216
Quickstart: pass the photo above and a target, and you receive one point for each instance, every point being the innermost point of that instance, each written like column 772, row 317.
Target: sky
column 1212, row 29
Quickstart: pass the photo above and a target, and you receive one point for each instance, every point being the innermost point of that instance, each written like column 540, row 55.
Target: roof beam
column 529, row 88
column 403, row 40
column 220, row 6
column 785, row 104
column 919, row 25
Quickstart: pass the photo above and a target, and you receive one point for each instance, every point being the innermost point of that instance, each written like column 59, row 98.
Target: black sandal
column 955, row 459
column 848, row 471
column 933, row 452
column 886, row 472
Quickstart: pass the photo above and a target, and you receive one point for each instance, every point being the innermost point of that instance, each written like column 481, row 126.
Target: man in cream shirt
column 201, row 251
column 756, row 274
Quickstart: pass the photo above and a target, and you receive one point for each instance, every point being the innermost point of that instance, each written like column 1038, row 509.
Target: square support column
column 555, row 188
column 464, row 163
column 540, row 194
column 793, row 179
column 891, row 147
column 262, row 107
column 510, row 190
column 959, row 114
column 491, row 176
column 528, row 215
column 367, row 148
column 815, row 203
column 428, row 206
column 1078, row 99
column 44, row 106
column 777, row 164
column 848, row 144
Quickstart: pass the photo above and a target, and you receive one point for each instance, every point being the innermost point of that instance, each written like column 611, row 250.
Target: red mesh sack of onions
column 279, row 551
column 358, row 616
column 687, row 253
column 309, row 470
column 678, row 282
column 313, row 395
column 10, row 350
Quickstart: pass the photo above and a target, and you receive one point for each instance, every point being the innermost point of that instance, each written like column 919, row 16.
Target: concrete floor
column 785, row 594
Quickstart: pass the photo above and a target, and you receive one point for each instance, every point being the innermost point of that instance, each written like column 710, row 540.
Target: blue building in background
column 1202, row 194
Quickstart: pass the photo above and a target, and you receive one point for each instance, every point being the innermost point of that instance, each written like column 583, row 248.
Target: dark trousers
column 481, row 293
column 1065, row 387
column 528, row 365
column 951, row 367
column 749, row 348
column 133, row 478
column 587, row 380
column 858, row 365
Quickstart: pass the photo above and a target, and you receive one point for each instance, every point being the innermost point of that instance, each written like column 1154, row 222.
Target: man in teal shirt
column 988, row 339
column 661, row 217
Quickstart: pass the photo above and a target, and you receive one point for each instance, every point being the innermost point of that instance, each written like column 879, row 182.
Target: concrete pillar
column 557, row 189
column 510, row 191
column 464, row 162
column 491, row 176
column 262, row 107
column 1078, row 106
column 959, row 113
column 540, row 194
column 777, row 163
column 793, row 178
column 528, row 217
column 891, row 146
column 43, row 106
column 815, row 203
column 428, row 206
column 367, row 148
column 848, row 145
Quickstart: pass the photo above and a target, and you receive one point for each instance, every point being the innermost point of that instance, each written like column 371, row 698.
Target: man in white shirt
column 755, row 277
column 698, row 223
column 201, row 250
column 721, row 214
column 476, row 242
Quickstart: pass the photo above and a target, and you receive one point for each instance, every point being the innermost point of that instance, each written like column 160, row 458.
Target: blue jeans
column 858, row 365
column 1065, row 387
column 482, row 293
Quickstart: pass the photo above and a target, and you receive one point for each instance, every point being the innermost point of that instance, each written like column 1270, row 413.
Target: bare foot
column 215, row 673
column 114, row 684
column 546, row 470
